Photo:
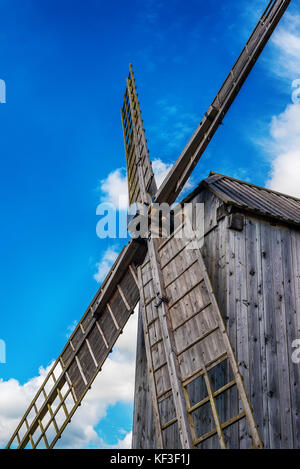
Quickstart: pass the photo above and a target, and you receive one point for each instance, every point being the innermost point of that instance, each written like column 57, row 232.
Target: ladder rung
column 91, row 353
column 168, row 424
column 157, row 342
column 80, row 370
column 150, row 301
column 113, row 316
column 124, row 298
column 205, row 437
column 186, row 293
column 214, row 394
column 150, row 323
column 43, row 435
column 145, row 263
column 133, row 273
column 196, row 341
column 199, row 371
column 159, row 367
column 148, row 281
column 163, row 244
column 63, row 401
column 181, row 273
column 233, row 420
column 102, row 335
column 165, row 395
column 52, row 419
column 223, row 425
column 192, row 316
column 177, row 254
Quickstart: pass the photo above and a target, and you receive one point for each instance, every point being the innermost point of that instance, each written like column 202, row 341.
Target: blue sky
column 65, row 64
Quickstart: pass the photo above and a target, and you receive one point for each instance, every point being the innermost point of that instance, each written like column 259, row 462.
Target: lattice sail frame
column 135, row 143
column 74, row 371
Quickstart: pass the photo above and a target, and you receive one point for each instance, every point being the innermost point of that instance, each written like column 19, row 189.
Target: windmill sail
column 135, row 144
column 208, row 374
column 182, row 169
column 74, row 371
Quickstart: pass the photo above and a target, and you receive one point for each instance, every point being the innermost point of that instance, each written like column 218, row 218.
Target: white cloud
column 107, row 260
column 160, row 170
column 15, row 398
column 283, row 141
column 124, row 443
column 71, row 328
column 286, row 40
column 284, row 146
column 114, row 189
column 114, row 384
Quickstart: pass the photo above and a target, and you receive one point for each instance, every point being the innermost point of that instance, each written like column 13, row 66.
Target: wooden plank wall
column 256, row 277
column 255, row 274
column 143, row 435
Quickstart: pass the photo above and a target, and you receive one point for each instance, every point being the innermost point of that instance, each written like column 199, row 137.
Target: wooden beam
column 152, row 385
column 124, row 298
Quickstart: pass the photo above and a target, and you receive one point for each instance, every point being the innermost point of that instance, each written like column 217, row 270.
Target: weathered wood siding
column 143, row 435
column 255, row 274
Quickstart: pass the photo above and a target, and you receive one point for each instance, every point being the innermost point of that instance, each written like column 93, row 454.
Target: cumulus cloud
column 286, row 40
column 114, row 384
column 160, row 170
column 114, row 189
column 107, row 260
column 284, row 145
column 124, row 443
column 15, row 398
column 283, row 142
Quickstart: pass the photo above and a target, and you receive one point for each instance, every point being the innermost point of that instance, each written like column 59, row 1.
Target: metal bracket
column 161, row 299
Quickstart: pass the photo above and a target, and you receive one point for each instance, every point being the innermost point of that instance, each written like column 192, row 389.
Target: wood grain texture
column 255, row 274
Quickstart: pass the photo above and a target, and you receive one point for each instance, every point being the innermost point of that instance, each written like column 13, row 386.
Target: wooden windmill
column 190, row 360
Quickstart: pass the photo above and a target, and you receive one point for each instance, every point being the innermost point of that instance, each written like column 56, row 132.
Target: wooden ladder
column 192, row 369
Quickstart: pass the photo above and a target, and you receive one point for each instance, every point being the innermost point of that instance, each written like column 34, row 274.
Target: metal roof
column 254, row 198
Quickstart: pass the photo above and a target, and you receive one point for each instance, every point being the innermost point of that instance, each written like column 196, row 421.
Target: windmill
column 185, row 341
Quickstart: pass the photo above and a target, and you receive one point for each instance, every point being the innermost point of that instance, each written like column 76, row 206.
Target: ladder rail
column 207, row 315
